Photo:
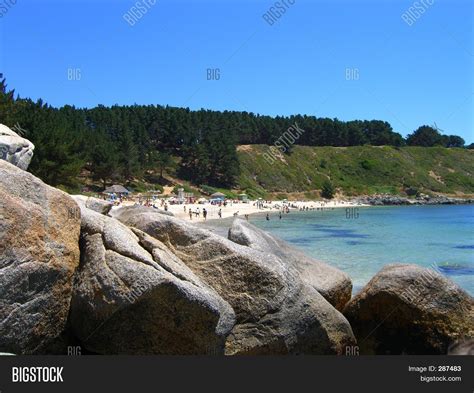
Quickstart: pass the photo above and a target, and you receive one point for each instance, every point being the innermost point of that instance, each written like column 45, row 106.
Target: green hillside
column 358, row 170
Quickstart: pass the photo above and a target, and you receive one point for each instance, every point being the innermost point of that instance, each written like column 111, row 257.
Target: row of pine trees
column 122, row 143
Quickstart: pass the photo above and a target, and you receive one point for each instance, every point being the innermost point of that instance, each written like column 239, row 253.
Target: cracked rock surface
column 133, row 296
column 332, row 283
column 277, row 313
column 39, row 252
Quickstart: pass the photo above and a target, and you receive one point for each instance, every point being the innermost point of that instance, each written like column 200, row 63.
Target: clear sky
column 345, row 59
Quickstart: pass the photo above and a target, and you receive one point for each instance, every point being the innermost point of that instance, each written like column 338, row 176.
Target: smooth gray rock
column 14, row 148
column 407, row 309
column 141, row 209
column 39, row 252
column 98, row 205
column 277, row 313
column 132, row 296
column 332, row 283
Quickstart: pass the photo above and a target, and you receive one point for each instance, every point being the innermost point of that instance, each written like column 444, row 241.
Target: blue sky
column 344, row 59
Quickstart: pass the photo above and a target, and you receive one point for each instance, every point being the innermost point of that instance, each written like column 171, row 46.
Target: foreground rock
column 277, row 313
column 132, row 296
column 98, row 205
column 39, row 252
column 332, row 283
column 15, row 149
column 406, row 309
column 462, row 348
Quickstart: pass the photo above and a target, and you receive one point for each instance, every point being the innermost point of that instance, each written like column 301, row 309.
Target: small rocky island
column 138, row 280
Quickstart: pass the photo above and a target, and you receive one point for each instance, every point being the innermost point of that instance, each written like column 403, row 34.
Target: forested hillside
column 136, row 144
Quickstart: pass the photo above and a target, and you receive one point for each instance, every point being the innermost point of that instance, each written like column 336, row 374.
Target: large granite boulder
column 39, row 252
column 332, row 283
column 464, row 347
column 132, row 296
column 98, row 205
column 15, row 149
column 407, row 309
column 277, row 313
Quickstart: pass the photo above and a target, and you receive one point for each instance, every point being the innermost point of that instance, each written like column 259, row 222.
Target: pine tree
column 104, row 159
column 327, row 190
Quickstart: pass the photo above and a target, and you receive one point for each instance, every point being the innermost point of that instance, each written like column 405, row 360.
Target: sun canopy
column 116, row 189
column 218, row 195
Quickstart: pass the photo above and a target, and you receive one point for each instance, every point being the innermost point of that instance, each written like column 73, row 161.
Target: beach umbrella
column 218, row 195
column 116, row 189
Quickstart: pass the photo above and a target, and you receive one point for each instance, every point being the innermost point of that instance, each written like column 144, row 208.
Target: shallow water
column 361, row 244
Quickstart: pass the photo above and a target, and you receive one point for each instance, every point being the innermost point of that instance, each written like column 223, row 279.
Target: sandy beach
column 241, row 209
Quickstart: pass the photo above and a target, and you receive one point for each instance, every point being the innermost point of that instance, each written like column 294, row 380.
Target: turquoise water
column 361, row 246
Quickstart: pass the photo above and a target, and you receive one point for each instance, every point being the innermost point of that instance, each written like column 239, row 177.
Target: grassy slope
column 358, row 170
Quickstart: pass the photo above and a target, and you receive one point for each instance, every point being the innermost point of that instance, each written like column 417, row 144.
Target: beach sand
column 241, row 209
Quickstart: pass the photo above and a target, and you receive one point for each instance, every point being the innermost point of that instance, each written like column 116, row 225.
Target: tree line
column 120, row 143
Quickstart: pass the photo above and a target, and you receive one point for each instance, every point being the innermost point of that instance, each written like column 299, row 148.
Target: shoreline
column 234, row 209
column 245, row 209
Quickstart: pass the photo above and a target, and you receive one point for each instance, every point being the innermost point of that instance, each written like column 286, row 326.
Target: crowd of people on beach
column 197, row 212
column 203, row 209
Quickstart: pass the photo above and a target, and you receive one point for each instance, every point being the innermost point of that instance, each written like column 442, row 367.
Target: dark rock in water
column 332, row 283
column 133, row 296
column 407, row 309
column 277, row 313
column 465, row 247
column 39, row 252
column 456, row 270
column 98, row 205
column 395, row 200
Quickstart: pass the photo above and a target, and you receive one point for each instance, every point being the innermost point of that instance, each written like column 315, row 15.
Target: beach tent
column 218, row 195
column 243, row 197
column 116, row 189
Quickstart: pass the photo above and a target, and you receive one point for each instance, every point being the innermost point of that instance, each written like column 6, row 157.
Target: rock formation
column 332, row 283
column 15, row 149
column 407, row 309
column 277, row 313
column 39, row 252
column 98, row 205
column 132, row 296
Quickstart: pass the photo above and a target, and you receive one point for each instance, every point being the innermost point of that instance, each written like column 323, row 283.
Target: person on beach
column 204, row 214
column 268, row 217
column 190, row 214
column 220, row 213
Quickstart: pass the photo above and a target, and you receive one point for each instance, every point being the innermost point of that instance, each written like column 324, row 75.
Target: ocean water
column 361, row 244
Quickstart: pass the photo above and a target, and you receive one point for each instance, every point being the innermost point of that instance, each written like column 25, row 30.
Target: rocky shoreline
column 139, row 281
column 395, row 200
